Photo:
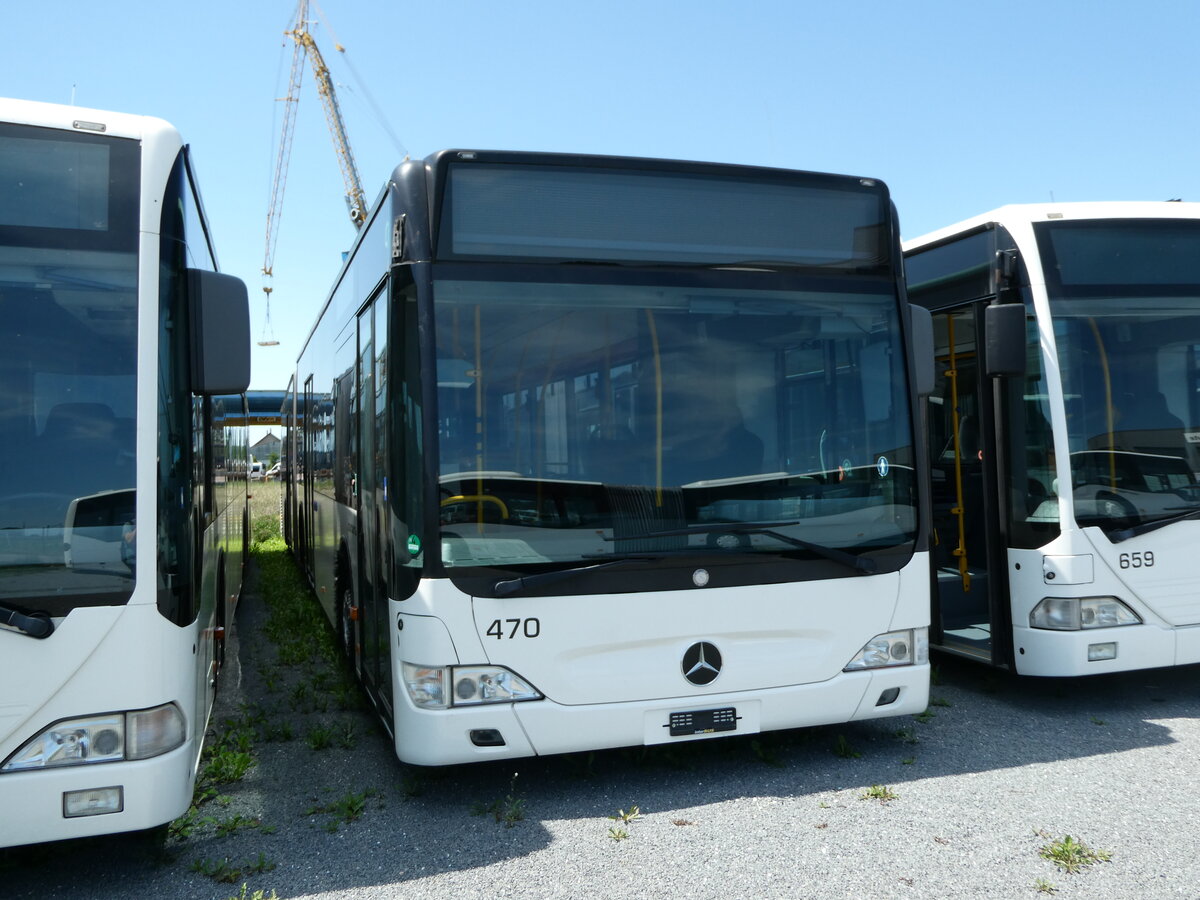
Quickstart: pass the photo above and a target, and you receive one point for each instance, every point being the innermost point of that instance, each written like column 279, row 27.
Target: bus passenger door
column 969, row 599
column 372, row 488
column 308, row 453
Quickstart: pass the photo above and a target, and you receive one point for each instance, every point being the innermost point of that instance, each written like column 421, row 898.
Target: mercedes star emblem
column 701, row 663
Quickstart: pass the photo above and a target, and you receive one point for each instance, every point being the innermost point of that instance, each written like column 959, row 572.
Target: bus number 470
column 530, row 628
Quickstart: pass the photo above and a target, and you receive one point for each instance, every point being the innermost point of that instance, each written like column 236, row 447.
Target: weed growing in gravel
column 908, row 735
column 236, row 823
column 627, row 817
column 766, row 754
column 1042, row 886
column 412, row 786
column 510, row 809
column 938, row 701
column 225, row 871
column 226, row 766
column 842, row 748
column 280, row 732
column 925, row 717
column 343, row 811
column 879, row 792
column 1071, row 855
column 244, row 894
column 319, row 737
column 908, row 760
column 618, row 834
column 1096, row 721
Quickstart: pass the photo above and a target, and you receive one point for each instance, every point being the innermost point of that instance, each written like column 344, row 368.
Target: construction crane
column 305, row 50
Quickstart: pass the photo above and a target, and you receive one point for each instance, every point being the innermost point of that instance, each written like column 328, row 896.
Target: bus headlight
column 472, row 685
column 112, row 737
column 1077, row 613
column 896, row 648
column 490, row 684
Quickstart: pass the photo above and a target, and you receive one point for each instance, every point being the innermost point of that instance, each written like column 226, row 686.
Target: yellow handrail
column 480, row 499
column 959, row 510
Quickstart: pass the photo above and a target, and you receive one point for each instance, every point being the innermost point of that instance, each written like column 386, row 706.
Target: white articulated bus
column 1064, row 434
column 122, row 471
column 591, row 452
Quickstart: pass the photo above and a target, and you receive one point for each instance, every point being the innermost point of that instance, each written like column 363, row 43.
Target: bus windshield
column 68, row 316
column 618, row 412
column 1125, row 296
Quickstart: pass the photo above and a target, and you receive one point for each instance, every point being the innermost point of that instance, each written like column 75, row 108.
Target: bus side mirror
column 220, row 333
column 1004, row 339
column 922, row 348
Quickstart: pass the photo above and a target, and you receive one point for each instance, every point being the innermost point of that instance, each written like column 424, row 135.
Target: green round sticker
column 414, row 544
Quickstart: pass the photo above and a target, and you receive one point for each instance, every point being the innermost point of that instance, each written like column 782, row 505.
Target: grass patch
column 842, row 748
column 246, row 894
column 1072, row 856
column 509, row 809
column 879, row 792
column 342, row 811
column 224, row 870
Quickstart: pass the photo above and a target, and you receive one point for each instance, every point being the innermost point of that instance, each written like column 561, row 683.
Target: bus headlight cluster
column 896, row 648
column 112, row 737
column 440, row 687
column 1077, row 613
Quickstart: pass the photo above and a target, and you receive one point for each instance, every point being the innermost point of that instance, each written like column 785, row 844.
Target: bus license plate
column 703, row 721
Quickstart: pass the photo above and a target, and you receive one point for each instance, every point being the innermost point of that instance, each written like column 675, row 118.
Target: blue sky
column 960, row 107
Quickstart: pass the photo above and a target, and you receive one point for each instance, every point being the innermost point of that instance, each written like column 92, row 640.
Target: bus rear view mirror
column 1004, row 345
column 220, row 333
column 922, row 346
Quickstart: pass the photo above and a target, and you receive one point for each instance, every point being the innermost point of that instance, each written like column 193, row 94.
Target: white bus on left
column 122, row 471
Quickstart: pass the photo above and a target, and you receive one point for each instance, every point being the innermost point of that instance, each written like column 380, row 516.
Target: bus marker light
column 94, row 802
column 153, row 732
column 1098, row 652
column 888, row 697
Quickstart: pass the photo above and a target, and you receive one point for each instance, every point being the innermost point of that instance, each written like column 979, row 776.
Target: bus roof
column 78, row 118
column 1035, row 212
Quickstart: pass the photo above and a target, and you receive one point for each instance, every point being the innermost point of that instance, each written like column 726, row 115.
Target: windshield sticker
column 1192, row 437
column 883, row 466
column 414, row 545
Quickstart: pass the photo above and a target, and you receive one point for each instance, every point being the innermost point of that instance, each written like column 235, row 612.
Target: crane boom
column 337, row 128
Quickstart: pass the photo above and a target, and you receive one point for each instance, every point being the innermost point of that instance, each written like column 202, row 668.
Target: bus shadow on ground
column 326, row 806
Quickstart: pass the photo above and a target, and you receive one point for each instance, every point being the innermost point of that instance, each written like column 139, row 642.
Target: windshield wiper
column 1125, row 534
column 860, row 564
column 36, row 626
column 512, row 585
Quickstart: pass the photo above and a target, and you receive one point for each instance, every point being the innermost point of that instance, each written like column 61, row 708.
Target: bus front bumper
column 543, row 727
column 149, row 792
column 1043, row 652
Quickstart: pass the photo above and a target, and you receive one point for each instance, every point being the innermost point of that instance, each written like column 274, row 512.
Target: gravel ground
column 999, row 768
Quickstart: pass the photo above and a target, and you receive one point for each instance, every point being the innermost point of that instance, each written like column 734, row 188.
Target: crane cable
column 278, row 182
